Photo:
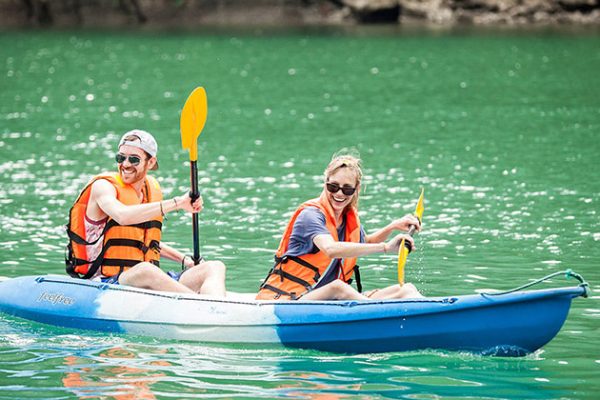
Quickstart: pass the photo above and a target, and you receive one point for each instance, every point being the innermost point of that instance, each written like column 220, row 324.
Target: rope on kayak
column 569, row 273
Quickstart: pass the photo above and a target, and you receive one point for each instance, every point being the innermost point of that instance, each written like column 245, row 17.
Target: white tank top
column 93, row 230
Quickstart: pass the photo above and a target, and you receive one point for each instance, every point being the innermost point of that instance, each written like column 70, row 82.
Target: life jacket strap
column 279, row 292
column 287, row 275
column 79, row 240
column 111, row 223
column 72, row 262
column 125, row 243
column 358, row 281
column 154, row 245
column 117, row 262
column 148, row 225
column 306, row 264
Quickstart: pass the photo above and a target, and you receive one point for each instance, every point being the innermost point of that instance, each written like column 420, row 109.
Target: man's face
column 131, row 173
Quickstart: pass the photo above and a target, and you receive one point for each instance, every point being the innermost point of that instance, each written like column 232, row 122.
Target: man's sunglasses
column 334, row 188
column 133, row 160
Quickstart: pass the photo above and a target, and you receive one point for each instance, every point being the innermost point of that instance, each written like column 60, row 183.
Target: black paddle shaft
column 194, row 194
column 411, row 231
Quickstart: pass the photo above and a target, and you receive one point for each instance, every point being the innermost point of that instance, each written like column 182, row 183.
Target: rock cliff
column 479, row 12
column 198, row 13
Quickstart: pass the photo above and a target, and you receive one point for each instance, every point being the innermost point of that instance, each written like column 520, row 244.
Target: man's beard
column 134, row 177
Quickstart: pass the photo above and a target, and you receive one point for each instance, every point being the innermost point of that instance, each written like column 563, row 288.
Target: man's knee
column 143, row 270
column 214, row 268
column 204, row 271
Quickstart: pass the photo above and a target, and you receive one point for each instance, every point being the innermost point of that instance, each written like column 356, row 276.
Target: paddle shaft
column 194, row 194
column 411, row 231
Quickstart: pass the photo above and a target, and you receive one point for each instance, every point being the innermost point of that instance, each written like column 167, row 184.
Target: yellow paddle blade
column 402, row 255
column 420, row 206
column 193, row 118
column 403, row 251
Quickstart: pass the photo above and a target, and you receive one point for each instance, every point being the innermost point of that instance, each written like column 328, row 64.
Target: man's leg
column 148, row 276
column 205, row 278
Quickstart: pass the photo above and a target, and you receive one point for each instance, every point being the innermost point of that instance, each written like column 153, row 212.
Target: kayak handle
column 569, row 273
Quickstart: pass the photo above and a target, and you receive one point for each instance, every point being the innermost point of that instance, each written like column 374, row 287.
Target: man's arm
column 104, row 195
column 175, row 255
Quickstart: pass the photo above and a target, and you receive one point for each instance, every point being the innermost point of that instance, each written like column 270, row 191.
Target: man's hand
column 184, row 202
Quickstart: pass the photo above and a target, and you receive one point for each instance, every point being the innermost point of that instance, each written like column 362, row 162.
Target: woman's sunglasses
column 334, row 188
column 133, row 160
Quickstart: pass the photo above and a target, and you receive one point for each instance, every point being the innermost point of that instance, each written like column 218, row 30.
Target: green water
column 501, row 129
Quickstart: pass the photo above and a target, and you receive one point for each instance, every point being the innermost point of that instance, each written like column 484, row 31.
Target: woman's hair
column 346, row 158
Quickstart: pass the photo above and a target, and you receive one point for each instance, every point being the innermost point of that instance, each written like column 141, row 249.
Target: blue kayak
column 509, row 324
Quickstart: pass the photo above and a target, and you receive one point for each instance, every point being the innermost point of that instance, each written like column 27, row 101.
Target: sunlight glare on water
column 500, row 129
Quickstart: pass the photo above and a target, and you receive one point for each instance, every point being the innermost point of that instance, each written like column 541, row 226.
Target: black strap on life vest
column 72, row 262
column 358, row 281
column 79, row 240
column 282, row 260
column 109, row 224
column 279, row 292
column 277, row 269
column 293, row 278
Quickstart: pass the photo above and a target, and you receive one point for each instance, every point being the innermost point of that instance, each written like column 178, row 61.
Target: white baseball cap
column 142, row 140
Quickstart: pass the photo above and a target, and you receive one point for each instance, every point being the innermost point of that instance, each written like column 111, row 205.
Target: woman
column 317, row 254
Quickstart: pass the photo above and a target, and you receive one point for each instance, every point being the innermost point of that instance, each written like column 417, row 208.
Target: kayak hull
column 511, row 324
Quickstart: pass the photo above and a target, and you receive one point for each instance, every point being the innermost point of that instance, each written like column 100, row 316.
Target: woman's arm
column 334, row 249
column 402, row 224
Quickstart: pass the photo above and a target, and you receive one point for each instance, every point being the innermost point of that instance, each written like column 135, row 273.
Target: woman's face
column 344, row 179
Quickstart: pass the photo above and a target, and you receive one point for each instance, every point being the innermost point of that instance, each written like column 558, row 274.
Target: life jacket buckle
column 155, row 245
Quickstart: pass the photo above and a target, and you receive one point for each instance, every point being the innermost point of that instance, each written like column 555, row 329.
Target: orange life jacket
column 123, row 246
column 291, row 276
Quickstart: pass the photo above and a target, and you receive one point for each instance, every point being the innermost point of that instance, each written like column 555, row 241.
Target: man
column 115, row 227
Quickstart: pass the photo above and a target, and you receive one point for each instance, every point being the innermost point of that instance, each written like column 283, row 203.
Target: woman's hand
column 401, row 224
column 184, row 202
column 404, row 223
column 393, row 245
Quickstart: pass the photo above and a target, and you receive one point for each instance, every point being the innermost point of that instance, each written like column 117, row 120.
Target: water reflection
column 141, row 372
column 116, row 371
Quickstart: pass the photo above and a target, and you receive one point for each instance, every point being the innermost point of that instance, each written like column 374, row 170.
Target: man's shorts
column 114, row 280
